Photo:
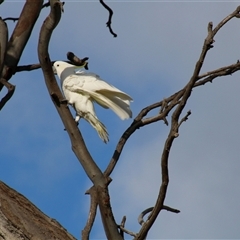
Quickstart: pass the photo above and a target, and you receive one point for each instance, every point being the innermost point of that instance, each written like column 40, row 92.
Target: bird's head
column 60, row 66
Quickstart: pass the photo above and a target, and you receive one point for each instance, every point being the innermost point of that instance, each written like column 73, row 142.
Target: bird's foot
column 64, row 101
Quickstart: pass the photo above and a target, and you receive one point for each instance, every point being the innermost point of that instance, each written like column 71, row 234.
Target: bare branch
column 3, row 43
column 173, row 133
column 109, row 22
column 29, row 67
column 47, row 4
column 235, row 13
column 92, row 213
column 20, row 36
column 148, row 210
column 185, row 118
column 78, row 144
column 122, row 229
column 226, row 69
column 123, row 225
column 170, row 209
column 10, row 19
column 140, row 121
column 11, row 89
column 73, row 59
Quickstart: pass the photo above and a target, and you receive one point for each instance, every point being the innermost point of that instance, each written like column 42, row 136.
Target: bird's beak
column 54, row 70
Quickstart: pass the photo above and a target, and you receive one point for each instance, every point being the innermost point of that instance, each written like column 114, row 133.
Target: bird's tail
column 118, row 102
column 99, row 126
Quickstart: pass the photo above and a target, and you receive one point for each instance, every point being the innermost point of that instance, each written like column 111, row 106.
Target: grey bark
column 21, row 219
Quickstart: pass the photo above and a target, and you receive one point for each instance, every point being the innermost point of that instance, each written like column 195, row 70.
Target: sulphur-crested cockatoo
column 81, row 89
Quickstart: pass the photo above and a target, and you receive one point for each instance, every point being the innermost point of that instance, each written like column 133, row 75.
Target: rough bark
column 21, row 219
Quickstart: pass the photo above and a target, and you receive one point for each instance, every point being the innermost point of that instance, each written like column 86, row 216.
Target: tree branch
column 168, row 104
column 123, row 229
column 127, row 231
column 3, row 43
column 109, row 22
column 73, row 59
column 78, row 144
column 173, row 133
column 20, row 36
column 92, row 213
column 11, row 89
column 10, row 18
column 148, row 210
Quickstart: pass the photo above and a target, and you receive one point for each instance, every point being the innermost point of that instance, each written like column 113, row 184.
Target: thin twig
column 184, row 119
column 10, row 19
column 109, row 22
column 235, row 13
column 222, row 69
column 29, row 67
column 127, row 231
column 169, row 209
column 47, row 4
column 11, row 89
column 73, row 59
column 123, row 225
column 148, row 210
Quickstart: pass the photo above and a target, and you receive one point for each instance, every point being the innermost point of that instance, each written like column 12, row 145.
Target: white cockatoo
column 81, row 89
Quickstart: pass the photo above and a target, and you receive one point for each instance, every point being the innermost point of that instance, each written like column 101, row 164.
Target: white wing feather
column 103, row 93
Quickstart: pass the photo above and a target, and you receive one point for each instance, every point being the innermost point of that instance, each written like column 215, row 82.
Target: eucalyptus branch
column 92, row 213
column 140, row 121
column 109, row 22
column 73, row 59
column 173, row 133
column 184, row 119
column 47, row 4
column 123, row 225
column 3, row 43
column 10, row 19
column 20, row 36
column 127, row 231
column 78, row 145
column 148, row 210
column 227, row 69
column 29, row 67
column 11, row 89
column 235, row 13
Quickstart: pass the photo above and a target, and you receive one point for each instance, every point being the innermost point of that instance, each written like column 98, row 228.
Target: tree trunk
column 20, row 219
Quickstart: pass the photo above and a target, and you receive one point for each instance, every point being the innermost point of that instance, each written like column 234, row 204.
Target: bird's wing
column 103, row 93
column 93, row 82
column 120, row 107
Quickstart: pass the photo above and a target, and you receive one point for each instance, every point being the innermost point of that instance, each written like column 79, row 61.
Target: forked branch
column 78, row 145
column 177, row 101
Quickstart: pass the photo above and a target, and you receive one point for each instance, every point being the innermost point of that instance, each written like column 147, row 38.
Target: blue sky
column 153, row 56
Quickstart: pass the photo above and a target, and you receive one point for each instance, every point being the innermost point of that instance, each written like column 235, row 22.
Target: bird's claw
column 64, row 101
